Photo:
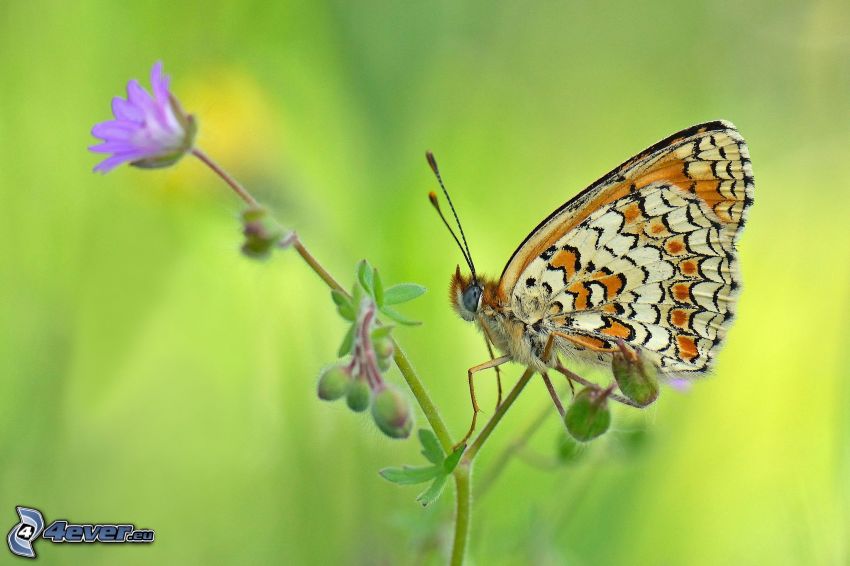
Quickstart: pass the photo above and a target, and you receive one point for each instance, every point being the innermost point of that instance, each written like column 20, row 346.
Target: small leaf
column 345, row 308
column 340, row 298
column 431, row 448
column 402, row 293
column 433, row 492
column 409, row 475
column 451, row 462
column 364, row 275
column 347, row 342
column 398, row 317
column 356, row 295
column 379, row 288
column 382, row 332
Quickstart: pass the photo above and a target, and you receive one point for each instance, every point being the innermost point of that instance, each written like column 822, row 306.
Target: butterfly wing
column 645, row 254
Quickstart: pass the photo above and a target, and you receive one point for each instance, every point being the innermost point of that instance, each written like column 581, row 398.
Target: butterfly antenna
column 467, row 255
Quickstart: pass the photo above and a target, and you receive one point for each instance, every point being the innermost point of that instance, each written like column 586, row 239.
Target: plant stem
column 316, row 266
column 463, row 489
column 229, row 179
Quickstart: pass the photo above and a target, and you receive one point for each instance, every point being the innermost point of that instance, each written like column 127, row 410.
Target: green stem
column 462, row 474
column 226, row 177
column 463, row 490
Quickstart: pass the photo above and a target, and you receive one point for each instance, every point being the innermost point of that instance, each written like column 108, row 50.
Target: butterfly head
column 465, row 295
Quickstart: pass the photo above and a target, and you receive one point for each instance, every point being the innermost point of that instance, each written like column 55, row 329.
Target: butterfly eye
column 471, row 296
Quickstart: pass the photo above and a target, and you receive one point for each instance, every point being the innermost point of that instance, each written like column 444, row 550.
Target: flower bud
column 391, row 411
column 358, row 396
column 384, row 363
column 261, row 232
column 383, row 346
column 588, row 416
column 333, row 383
column 636, row 376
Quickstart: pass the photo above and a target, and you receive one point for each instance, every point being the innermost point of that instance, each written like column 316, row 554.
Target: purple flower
column 148, row 131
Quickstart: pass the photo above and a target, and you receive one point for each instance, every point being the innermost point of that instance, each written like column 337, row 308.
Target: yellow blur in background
column 153, row 375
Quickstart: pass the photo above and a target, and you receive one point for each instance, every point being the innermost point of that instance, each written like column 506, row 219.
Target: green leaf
column 451, row 462
column 402, row 293
column 433, row 492
column 356, row 295
column 409, row 475
column 431, row 448
column 343, row 305
column 340, row 298
column 364, row 275
column 378, row 288
column 398, row 317
column 382, row 332
column 347, row 342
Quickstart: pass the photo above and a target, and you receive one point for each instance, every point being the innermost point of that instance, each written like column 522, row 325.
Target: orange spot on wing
column 582, row 296
column 675, row 246
column 616, row 328
column 567, row 260
column 688, row 267
column 657, row 227
column 687, row 347
column 609, row 308
column 682, row 291
column 632, row 212
column 679, row 318
column 613, row 284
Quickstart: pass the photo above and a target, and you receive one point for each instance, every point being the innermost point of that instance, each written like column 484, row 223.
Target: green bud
column 333, row 383
column 261, row 232
column 384, row 363
column 391, row 411
column 568, row 450
column 359, row 395
column 383, row 346
column 636, row 376
column 588, row 415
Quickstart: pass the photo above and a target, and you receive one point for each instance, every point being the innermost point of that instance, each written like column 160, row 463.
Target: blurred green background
column 151, row 374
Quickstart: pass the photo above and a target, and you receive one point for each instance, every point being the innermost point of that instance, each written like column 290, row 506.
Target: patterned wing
column 646, row 254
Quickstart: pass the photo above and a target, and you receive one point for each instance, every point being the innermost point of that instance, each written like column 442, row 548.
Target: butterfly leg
column 498, row 373
column 554, row 394
column 475, row 408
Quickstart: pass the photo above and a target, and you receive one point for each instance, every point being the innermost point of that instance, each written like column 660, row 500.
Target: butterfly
column 643, row 257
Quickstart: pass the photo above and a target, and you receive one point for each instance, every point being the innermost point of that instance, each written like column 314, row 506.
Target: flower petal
column 140, row 98
column 123, row 110
column 114, row 130
column 159, row 84
column 116, row 146
column 111, row 163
